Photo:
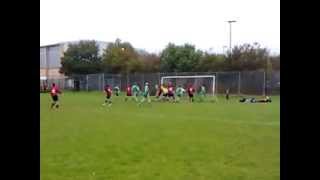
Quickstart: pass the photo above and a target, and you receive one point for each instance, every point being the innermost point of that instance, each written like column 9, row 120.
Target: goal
column 207, row 80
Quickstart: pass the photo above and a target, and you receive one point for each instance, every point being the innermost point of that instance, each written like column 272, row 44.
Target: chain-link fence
column 238, row 83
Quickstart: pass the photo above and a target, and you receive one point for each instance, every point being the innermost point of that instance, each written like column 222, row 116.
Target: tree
column 179, row 58
column 121, row 57
column 211, row 62
column 81, row 58
column 248, row 57
column 275, row 62
column 151, row 62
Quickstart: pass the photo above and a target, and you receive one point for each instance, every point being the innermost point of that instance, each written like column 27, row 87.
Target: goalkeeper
column 202, row 93
column 179, row 92
column 165, row 92
column 135, row 91
column 266, row 99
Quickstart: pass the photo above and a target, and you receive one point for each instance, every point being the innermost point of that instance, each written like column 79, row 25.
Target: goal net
column 196, row 81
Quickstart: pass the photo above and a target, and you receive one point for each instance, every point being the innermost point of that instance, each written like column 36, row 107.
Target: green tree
column 248, row 57
column 212, row 62
column 81, row 58
column 151, row 62
column 121, row 57
column 275, row 62
column 179, row 58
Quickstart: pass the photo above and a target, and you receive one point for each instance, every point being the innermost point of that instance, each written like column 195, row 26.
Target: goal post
column 212, row 79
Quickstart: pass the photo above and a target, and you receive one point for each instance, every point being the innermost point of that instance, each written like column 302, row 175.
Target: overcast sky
column 152, row 24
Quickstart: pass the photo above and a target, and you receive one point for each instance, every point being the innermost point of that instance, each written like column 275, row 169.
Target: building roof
column 71, row 42
column 101, row 44
column 50, row 45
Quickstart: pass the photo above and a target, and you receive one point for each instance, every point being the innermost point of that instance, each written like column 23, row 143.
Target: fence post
column 128, row 78
column 216, row 83
column 264, row 83
column 87, row 82
column 103, row 82
column 112, row 80
column 143, row 81
column 239, row 83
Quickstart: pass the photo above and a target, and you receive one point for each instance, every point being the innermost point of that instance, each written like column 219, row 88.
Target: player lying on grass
column 108, row 93
column 190, row 91
column 55, row 95
column 266, row 99
column 135, row 91
column 179, row 92
column 202, row 93
column 145, row 94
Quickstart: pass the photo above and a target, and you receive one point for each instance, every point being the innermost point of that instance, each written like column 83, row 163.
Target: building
column 50, row 58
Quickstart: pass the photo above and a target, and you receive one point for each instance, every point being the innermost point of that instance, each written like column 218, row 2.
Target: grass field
column 201, row 141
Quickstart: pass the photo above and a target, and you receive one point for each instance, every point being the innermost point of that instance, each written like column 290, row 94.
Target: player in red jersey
column 191, row 91
column 171, row 91
column 108, row 92
column 129, row 92
column 54, row 92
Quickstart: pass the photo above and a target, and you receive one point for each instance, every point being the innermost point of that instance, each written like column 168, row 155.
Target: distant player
column 135, row 91
column 202, row 93
column 171, row 91
column 190, row 91
column 129, row 92
column 179, row 92
column 145, row 94
column 108, row 92
column 55, row 96
column 227, row 94
column 117, row 90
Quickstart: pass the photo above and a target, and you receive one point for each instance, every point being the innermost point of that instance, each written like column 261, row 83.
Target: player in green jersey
column 179, row 92
column 146, row 94
column 202, row 93
column 135, row 91
column 117, row 90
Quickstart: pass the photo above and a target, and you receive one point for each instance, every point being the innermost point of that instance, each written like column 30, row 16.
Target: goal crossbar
column 196, row 76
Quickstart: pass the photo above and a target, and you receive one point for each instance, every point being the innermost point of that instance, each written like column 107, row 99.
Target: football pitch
column 227, row 140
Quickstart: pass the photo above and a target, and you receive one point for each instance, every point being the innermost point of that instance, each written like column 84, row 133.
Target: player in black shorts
column 227, row 94
column 108, row 92
column 191, row 91
column 171, row 91
column 54, row 95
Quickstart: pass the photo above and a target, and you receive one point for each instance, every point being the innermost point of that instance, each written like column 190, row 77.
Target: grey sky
column 151, row 24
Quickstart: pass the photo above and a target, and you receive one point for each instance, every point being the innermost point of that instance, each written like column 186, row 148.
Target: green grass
column 201, row 141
